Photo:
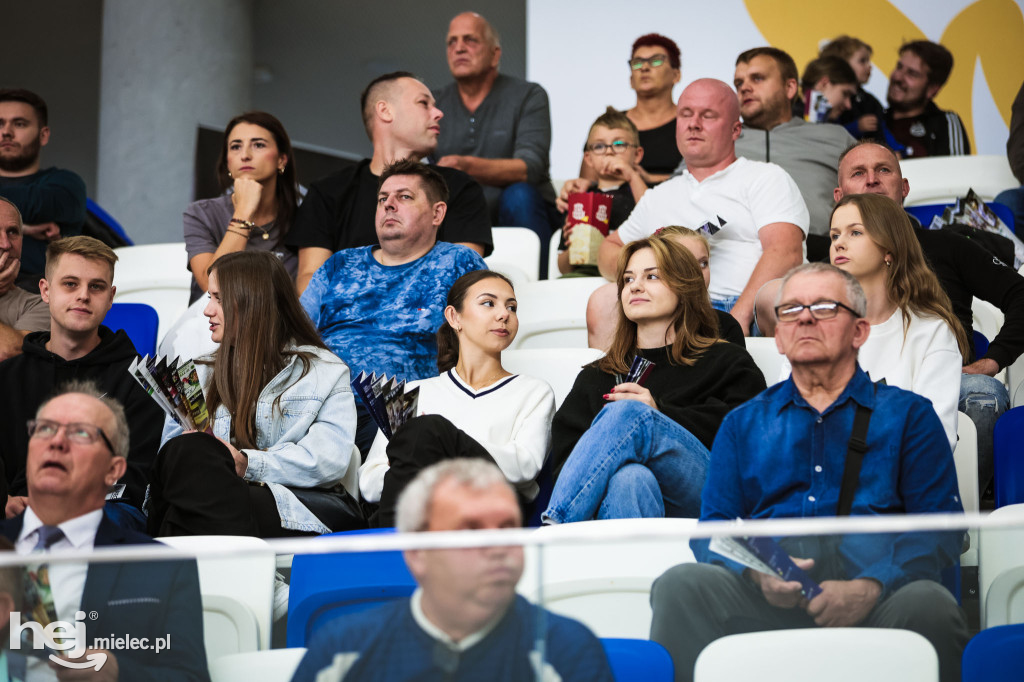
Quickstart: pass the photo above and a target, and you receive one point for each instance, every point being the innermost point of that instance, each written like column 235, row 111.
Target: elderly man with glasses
column 825, row 442
column 77, row 450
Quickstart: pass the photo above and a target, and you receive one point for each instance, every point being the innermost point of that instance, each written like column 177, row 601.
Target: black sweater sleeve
column 696, row 397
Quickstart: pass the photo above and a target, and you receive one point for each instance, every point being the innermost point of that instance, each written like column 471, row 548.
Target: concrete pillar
column 165, row 68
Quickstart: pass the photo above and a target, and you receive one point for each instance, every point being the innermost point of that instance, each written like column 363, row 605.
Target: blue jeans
column 983, row 399
column 521, row 205
column 633, row 462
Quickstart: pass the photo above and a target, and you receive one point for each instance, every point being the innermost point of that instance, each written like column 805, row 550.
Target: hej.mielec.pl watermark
column 69, row 639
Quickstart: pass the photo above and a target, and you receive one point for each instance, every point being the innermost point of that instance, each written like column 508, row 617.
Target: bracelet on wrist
column 249, row 226
column 238, row 232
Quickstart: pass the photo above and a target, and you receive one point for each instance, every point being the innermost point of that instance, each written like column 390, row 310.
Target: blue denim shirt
column 306, row 441
column 776, row 457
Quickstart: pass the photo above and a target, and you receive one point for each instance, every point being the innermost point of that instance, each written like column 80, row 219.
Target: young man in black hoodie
column 79, row 291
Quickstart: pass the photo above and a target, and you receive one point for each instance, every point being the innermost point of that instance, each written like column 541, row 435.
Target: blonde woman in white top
column 916, row 343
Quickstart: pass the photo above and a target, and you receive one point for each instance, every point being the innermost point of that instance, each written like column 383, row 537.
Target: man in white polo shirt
column 752, row 212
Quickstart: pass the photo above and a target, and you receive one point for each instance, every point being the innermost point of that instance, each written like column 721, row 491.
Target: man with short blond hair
column 464, row 621
column 78, row 287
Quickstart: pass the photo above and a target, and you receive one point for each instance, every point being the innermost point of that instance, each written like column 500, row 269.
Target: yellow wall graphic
column 991, row 31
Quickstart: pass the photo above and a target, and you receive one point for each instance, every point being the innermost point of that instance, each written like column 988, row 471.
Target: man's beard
column 906, row 104
column 28, row 156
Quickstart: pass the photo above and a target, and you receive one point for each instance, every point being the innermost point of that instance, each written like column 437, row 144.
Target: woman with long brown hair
column 474, row 408
column 257, row 164
column 283, row 420
column 916, row 343
column 632, row 449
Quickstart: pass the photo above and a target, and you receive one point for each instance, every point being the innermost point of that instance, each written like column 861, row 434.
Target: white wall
column 577, row 49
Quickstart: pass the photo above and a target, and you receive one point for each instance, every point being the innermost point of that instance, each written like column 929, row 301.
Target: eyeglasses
column 617, row 147
column 84, row 434
column 820, row 310
column 637, row 63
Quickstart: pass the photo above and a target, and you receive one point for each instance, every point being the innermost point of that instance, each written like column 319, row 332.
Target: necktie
column 38, row 592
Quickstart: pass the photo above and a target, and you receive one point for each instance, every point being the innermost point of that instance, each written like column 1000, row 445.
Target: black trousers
column 194, row 490
column 420, row 442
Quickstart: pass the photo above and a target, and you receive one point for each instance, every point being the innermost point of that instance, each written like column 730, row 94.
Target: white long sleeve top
column 511, row 419
column 928, row 362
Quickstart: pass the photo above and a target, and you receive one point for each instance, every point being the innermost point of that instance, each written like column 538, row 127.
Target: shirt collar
column 859, row 389
column 79, row 531
column 416, row 606
column 688, row 176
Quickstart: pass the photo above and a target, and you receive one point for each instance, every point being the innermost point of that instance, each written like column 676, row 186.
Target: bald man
column 497, row 128
column 752, row 212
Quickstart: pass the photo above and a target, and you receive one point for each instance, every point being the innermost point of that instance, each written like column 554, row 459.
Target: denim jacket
column 306, row 441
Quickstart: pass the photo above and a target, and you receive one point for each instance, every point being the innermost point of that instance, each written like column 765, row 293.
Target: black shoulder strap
column 855, row 450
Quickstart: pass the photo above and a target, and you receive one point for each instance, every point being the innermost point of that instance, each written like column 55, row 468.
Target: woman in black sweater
column 624, row 450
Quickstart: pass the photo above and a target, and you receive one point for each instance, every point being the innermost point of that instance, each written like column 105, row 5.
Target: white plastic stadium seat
column 767, row 357
column 516, row 254
column 556, row 241
column 1000, row 555
column 942, row 179
column 553, row 313
column 815, row 654
column 237, row 592
column 276, row 665
column 965, row 459
column 988, row 319
column 605, row 585
column 155, row 274
column 557, row 366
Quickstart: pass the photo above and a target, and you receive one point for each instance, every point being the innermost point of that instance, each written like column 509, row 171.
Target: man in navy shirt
column 782, row 454
column 464, row 621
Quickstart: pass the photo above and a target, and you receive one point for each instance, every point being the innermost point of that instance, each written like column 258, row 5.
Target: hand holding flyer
column 175, row 387
column 764, row 555
column 389, row 403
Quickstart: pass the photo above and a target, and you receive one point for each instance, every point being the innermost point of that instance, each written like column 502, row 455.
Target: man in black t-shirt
column 338, row 211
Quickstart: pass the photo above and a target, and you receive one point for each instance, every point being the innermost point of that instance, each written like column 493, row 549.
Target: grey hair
column 119, row 438
column 17, row 212
column 412, row 513
column 854, row 292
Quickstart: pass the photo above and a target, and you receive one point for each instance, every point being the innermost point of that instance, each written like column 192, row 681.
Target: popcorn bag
column 589, row 213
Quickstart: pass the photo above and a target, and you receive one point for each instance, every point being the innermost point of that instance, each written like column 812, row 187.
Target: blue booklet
column 765, row 555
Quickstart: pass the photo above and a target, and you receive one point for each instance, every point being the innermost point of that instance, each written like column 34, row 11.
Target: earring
column 888, row 263
column 280, row 171
column 230, row 175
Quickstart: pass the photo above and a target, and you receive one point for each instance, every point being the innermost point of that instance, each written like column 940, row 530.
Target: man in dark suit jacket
column 76, row 451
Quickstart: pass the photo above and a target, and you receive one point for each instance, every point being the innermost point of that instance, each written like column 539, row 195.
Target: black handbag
column 335, row 507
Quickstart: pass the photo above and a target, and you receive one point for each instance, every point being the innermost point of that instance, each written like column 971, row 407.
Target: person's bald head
column 473, row 47
column 871, row 168
column 707, row 123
